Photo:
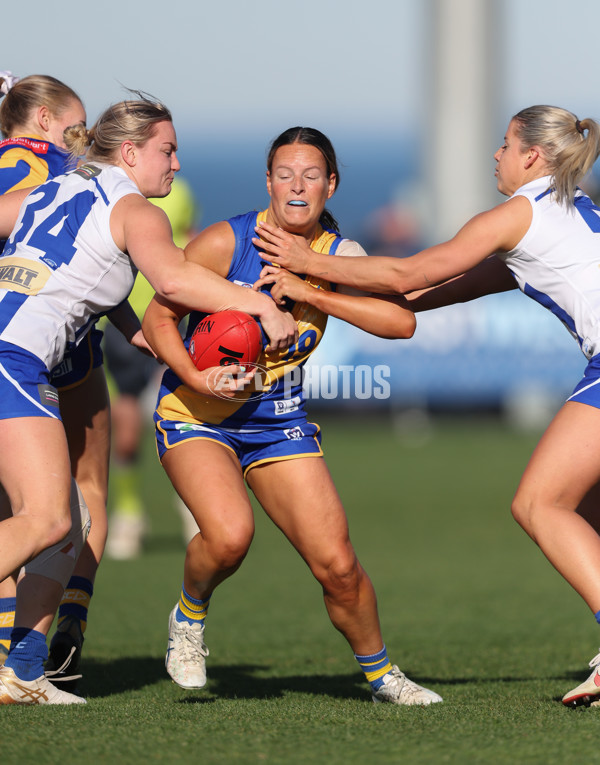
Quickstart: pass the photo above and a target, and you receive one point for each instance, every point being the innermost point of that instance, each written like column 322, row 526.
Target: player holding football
column 208, row 446
column 545, row 240
column 72, row 256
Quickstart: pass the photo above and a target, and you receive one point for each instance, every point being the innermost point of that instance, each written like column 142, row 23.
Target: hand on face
column 286, row 250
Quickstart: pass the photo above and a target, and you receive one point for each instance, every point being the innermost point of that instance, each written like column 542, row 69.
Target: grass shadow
column 247, row 681
column 107, row 678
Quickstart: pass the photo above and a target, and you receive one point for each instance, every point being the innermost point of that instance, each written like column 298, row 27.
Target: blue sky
column 241, row 66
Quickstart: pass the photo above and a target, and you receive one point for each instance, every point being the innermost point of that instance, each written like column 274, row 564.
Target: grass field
column 468, row 604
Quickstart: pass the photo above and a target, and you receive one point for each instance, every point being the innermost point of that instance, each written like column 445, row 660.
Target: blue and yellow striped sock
column 7, row 621
column 75, row 602
column 375, row 667
column 191, row 610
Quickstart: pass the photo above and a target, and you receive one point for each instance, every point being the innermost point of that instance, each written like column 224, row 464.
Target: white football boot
column 588, row 693
column 39, row 691
column 398, row 689
column 186, row 653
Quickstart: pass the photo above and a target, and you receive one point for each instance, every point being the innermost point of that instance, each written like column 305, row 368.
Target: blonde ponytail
column 562, row 139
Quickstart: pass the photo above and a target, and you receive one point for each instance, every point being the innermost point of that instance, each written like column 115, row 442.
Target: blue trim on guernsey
column 101, row 191
column 12, row 301
column 547, row 302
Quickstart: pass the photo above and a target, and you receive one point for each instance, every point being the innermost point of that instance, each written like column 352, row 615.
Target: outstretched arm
column 497, row 230
column 487, row 278
column 384, row 316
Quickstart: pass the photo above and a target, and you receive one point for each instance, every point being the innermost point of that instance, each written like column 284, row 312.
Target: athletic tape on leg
column 57, row 562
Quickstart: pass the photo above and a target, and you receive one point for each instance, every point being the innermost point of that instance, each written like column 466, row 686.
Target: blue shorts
column 25, row 389
column 587, row 390
column 251, row 447
column 78, row 363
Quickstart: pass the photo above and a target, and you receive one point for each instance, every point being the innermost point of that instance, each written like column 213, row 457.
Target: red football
column 226, row 337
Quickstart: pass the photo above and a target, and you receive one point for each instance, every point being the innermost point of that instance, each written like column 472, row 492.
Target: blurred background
column 416, row 96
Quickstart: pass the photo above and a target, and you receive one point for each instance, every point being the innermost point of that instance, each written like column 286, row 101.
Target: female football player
column 545, row 240
column 71, row 257
column 34, row 114
column 208, row 446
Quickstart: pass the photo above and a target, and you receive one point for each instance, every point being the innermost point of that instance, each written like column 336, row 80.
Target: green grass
column 469, row 607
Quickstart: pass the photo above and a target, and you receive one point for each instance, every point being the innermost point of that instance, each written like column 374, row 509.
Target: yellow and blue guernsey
column 275, row 400
column 29, row 161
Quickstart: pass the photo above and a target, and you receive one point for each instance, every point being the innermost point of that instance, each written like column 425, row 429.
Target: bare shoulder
column 213, row 247
column 515, row 217
column 134, row 217
column 503, row 226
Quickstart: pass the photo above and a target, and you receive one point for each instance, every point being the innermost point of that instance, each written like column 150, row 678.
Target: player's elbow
column 410, row 326
column 402, row 327
column 395, row 277
column 169, row 287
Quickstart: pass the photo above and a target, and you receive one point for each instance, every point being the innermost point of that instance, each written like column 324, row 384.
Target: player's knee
column 54, row 530
column 340, row 578
column 47, row 525
column 58, row 558
column 524, row 512
column 226, row 549
column 232, row 551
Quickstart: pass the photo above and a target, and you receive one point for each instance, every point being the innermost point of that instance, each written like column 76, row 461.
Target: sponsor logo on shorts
column 242, row 284
column 185, row 427
column 48, row 395
column 294, row 434
column 285, row 406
